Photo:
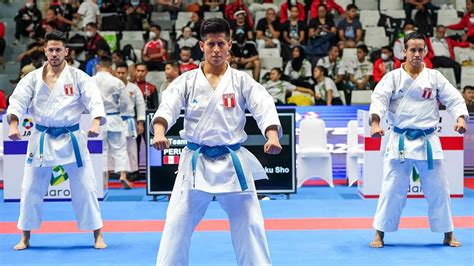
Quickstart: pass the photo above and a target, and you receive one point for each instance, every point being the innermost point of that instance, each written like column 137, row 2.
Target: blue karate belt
column 56, row 132
column 413, row 134
column 216, row 151
column 131, row 123
column 114, row 113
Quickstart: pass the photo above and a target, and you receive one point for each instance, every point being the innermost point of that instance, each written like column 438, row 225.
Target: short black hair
column 322, row 69
column 185, row 48
column 141, row 64
column 105, row 61
column 92, row 24
column 466, row 88
column 388, row 48
column 214, row 25
column 156, row 26
column 363, row 47
column 323, row 5
column 173, row 63
column 414, row 36
column 123, row 65
column 277, row 69
column 55, row 35
column 351, row 6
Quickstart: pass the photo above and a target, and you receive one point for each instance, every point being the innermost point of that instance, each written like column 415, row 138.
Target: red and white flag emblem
column 229, row 100
column 68, row 90
column 167, row 159
column 427, row 93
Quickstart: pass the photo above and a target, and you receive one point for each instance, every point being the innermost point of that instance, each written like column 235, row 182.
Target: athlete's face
column 55, row 52
column 415, row 52
column 216, row 48
column 121, row 73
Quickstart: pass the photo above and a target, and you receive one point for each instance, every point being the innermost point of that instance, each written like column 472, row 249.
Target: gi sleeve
column 139, row 104
column 124, row 98
column 21, row 98
column 172, row 100
column 450, row 97
column 381, row 96
column 90, row 97
column 260, row 103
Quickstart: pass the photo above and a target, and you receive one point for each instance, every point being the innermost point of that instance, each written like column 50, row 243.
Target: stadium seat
column 156, row 78
column 467, row 76
column 132, row 35
column 369, row 18
column 366, row 4
column 463, row 54
column 391, row 5
column 448, row 73
column 361, row 97
column 269, row 52
column 313, row 152
column 160, row 16
column 447, row 17
column 353, row 152
column 349, row 54
column 182, row 20
column 375, row 37
column 136, row 44
column 208, row 15
column 461, row 5
column 271, row 62
column 397, row 14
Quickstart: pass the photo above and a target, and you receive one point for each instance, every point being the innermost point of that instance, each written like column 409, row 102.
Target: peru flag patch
column 427, row 93
column 229, row 100
column 167, row 159
column 68, row 90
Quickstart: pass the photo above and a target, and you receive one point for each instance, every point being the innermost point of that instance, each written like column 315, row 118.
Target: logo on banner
column 27, row 123
column 170, row 159
column 427, row 93
column 58, row 176
column 229, row 100
column 68, row 90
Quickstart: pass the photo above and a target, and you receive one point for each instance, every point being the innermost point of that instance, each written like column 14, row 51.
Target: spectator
column 195, row 24
column 64, row 9
column 93, row 40
column 240, row 25
column 421, row 5
column 468, row 95
column 53, row 19
column 331, row 62
column 186, row 63
column 398, row 46
column 212, row 6
column 467, row 21
column 298, row 69
column 321, row 34
column 330, row 5
column 133, row 19
column 171, row 73
column 155, row 51
column 148, row 90
column 280, row 89
column 101, row 50
column 238, row 5
column 325, row 90
column 172, row 6
column 2, row 44
column 285, row 11
column 188, row 40
column 28, row 21
column 360, row 70
column 441, row 51
column 26, row 57
column 89, row 12
column 245, row 55
column 350, row 29
column 293, row 32
column 385, row 64
column 268, row 31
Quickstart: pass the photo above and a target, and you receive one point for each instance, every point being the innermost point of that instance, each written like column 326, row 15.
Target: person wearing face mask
column 467, row 22
column 155, row 52
column 246, row 55
column 28, row 21
column 385, row 64
column 94, row 39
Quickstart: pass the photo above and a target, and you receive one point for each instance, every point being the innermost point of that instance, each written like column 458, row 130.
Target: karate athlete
column 213, row 164
column 133, row 116
column 410, row 95
column 115, row 98
column 56, row 95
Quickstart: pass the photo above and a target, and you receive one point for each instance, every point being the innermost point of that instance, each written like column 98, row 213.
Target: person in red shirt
column 385, row 64
column 285, row 11
column 3, row 102
column 330, row 5
column 185, row 61
column 235, row 6
column 467, row 21
column 149, row 90
column 155, row 51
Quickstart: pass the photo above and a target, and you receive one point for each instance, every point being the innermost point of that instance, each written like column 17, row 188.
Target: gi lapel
column 408, row 91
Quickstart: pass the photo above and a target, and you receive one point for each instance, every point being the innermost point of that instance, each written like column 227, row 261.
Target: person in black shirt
column 268, row 31
column 241, row 25
column 321, row 34
column 28, row 21
column 245, row 55
column 293, row 33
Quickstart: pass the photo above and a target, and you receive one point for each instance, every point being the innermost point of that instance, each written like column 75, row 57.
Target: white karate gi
column 208, row 122
column 115, row 98
column 414, row 104
column 135, row 112
column 61, row 106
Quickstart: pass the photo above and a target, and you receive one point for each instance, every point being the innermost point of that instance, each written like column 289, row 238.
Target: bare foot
column 378, row 240
column 450, row 240
column 99, row 240
column 126, row 184
column 23, row 244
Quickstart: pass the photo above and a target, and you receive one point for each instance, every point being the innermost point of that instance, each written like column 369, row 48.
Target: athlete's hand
column 272, row 146
column 14, row 133
column 460, row 126
column 376, row 131
column 94, row 131
column 160, row 142
column 140, row 128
